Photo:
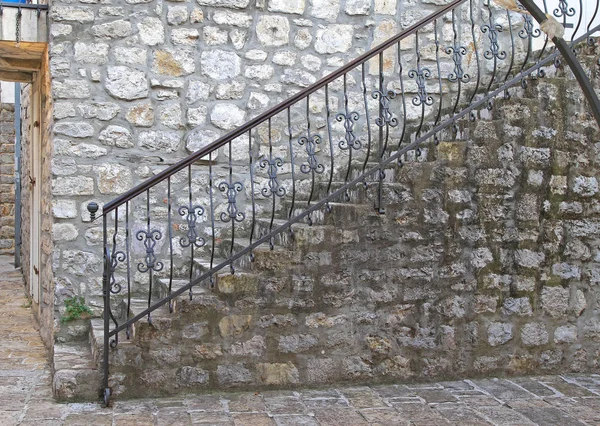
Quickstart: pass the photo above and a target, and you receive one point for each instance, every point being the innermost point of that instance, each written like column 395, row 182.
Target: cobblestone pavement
column 26, row 397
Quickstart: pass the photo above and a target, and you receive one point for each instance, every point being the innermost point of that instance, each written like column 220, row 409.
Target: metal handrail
column 23, row 5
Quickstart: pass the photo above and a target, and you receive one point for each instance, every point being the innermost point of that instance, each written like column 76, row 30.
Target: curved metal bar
column 512, row 54
column 367, row 118
column 472, row 18
column 402, row 94
column 170, row 227
column 251, row 167
column 590, row 39
column 331, row 154
column 212, row 216
column 439, row 73
column 579, row 20
column 541, row 72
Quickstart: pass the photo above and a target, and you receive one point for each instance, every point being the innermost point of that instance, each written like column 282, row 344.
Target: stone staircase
column 424, row 291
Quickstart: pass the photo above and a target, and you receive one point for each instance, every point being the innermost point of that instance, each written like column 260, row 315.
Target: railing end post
column 93, row 209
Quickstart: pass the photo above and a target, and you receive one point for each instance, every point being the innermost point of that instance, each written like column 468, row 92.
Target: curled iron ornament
column 563, row 9
column 231, row 189
column 457, row 53
column 494, row 50
column 115, row 258
column 149, row 238
column 386, row 118
column 528, row 30
column 310, row 143
column 350, row 140
column 273, row 187
column 420, row 75
column 191, row 215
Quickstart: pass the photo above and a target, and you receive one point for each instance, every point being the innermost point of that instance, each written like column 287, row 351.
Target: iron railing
column 298, row 158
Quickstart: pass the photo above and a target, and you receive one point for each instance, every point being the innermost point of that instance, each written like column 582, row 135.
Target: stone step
column 76, row 377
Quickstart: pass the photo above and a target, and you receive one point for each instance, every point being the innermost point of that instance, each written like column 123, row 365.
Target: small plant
column 76, row 309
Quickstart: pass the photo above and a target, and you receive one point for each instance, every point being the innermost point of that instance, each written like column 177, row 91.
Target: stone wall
column 486, row 263
column 7, row 179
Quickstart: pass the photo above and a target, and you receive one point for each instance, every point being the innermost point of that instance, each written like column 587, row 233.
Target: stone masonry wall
column 139, row 84
column 486, row 262
column 7, row 179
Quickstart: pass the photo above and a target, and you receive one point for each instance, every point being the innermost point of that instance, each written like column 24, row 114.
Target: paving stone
column 436, row 396
column 567, row 389
column 549, row 416
column 339, row 416
column 502, row 389
column 252, row 419
column 285, row 405
column 363, row 398
column 459, row 414
column 385, row 416
column 295, row 420
column 503, row 416
column 245, row 402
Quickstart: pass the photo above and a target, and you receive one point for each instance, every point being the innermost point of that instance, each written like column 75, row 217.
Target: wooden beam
column 16, row 76
column 19, row 64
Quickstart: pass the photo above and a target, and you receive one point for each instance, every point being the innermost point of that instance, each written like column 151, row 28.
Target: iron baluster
column 331, row 153
column 541, row 73
column 170, row 228
column 292, row 164
column 350, row 141
column 529, row 33
column 578, row 21
column 233, row 215
column 563, row 11
column 472, row 115
column 590, row 39
column 273, row 189
column 127, row 254
column 439, row 74
column 458, row 75
column 386, row 118
column 251, row 168
column 402, row 96
column 312, row 166
column 212, row 217
column 512, row 54
column 368, row 118
column 420, row 74
column 493, row 53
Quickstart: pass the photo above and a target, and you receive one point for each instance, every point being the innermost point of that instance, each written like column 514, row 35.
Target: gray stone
column 585, row 186
column 114, row 178
column 197, row 91
column 74, row 130
column 499, row 333
column 76, row 14
column 220, row 64
column 214, row 36
column 231, row 4
column 196, row 116
column 91, row 53
column 234, row 19
column 287, row 6
column 177, row 15
column 528, row 258
column 185, row 36
column 334, row 38
column 198, row 139
column 130, row 55
column 64, row 232
column 273, row 30
column 192, row 376
column 174, row 62
column 358, row 7
column 296, row 343
column 170, row 115
column 233, row 375
column 565, row 334
column 116, row 136
column 160, row 141
column 227, row 116
column 230, row 90
column 555, row 301
column 325, row 9
column 303, row 38
column 101, row 110
column 71, row 89
column 534, row 334
column 297, row 77
column 64, row 209
column 112, row 30
column 80, row 263
column 517, row 306
column 141, row 115
column 126, row 83
column 151, row 31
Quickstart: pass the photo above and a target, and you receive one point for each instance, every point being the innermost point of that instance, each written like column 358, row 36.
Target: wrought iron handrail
column 386, row 139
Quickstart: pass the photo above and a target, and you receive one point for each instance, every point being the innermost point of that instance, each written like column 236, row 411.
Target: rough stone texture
column 413, row 293
column 7, row 178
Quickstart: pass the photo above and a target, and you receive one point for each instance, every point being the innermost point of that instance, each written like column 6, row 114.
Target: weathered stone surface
column 565, row 334
column 232, row 4
column 72, row 186
column 126, row 83
column 75, row 14
column 160, row 141
column 71, row 89
column 233, row 375
column 273, row 30
column 74, row 129
column 585, row 186
column 173, row 62
column 141, row 115
column 499, row 333
column 101, row 110
column 555, row 301
column 334, row 38
column 234, row 325
column 325, row 9
column 151, row 31
column 220, row 64
column 91, row 53
column 116, row 136
column 192, row 376
column 64, row 232
column 198, row 139
column 534, row 334
column 357, row 7
column 227, row 116
column 277, row 374
column 296, row 343
column 112, row 30
column 130, row 55
column 114, row 178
